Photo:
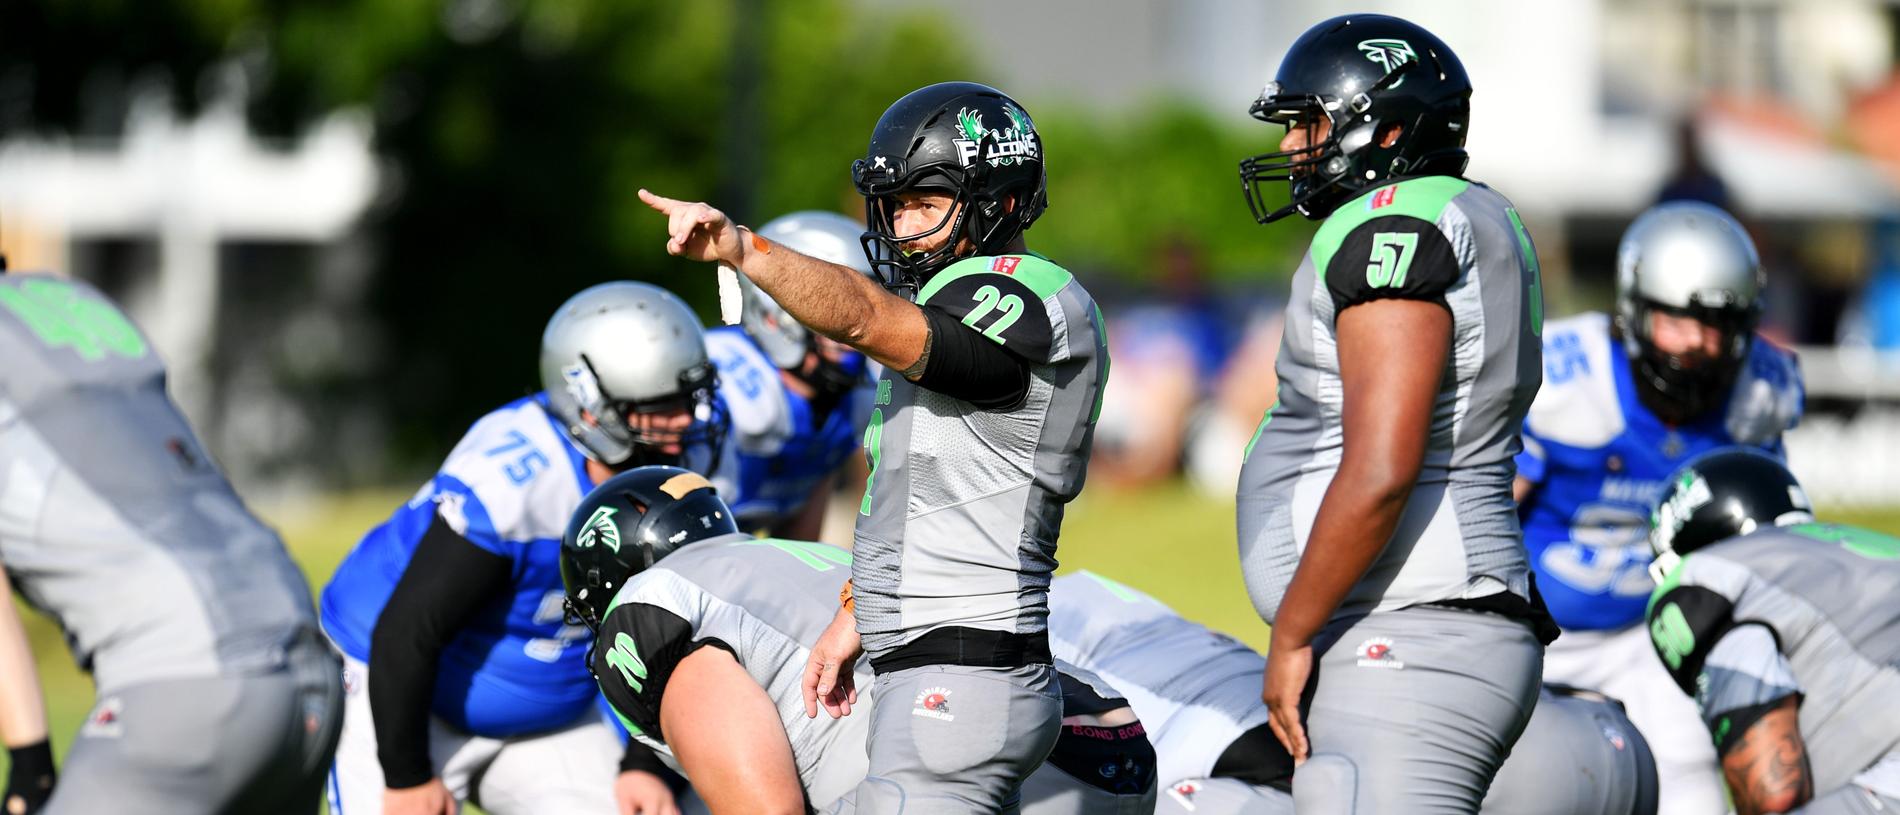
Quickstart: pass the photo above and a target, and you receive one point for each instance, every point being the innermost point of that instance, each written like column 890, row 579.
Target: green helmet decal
column 601, row 529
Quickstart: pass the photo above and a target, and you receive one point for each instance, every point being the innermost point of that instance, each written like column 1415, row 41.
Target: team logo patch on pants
column 934, row 703
column 1377, row 653
column 104, row 721
column 1183, row 793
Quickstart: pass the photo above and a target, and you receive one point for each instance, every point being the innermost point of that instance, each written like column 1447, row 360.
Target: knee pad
column 1327, row 784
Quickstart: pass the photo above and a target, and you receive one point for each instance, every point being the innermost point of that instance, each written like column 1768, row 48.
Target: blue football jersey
column 509, row 487
column 1601, row 459
column 775, row 453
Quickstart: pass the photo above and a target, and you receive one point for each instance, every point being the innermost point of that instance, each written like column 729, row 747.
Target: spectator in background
column 1693, row 179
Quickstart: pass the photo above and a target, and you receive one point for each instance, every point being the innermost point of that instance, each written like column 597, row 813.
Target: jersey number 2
column 988, row 299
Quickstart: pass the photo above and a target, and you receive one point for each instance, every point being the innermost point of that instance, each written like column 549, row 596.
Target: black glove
column 29, row 779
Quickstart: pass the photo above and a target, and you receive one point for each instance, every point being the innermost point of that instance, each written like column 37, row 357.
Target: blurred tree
column 1123, row 189
column 514, row 133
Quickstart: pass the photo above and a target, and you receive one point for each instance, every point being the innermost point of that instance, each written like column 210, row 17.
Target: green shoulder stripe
column 1041, row 276
column 1423, row 198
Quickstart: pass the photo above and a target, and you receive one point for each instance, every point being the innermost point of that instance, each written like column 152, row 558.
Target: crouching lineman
column 1198, row 693
column 216, row 693
column 702, row 655
column 1677, row 371
column 1785, row 632
column 465, row 682
column 794, row 397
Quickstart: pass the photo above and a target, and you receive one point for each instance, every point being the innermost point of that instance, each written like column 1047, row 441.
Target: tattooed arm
column 1767, row 767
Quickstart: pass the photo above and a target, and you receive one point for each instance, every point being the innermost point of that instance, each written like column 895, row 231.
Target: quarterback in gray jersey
column 1412, row 331
column 1198, row 693
column 1786, row 633
column 701, row 655
column 995, row 360
column 216, row 692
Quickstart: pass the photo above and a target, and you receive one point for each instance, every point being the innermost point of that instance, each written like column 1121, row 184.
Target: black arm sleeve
column 1395, row 256
column 966, row 365
column 446, row 581
column 640, row 644
column 1685, row 623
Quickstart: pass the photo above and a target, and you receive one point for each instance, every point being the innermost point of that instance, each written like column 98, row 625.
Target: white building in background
column 160, row 218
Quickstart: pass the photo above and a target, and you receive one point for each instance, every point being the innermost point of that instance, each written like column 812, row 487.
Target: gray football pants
column 1413, row 710
column 1850, row 800
column 955, row 739
column 236, row 744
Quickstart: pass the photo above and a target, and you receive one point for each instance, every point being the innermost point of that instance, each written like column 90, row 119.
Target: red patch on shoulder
column 1384, row 197
column 1006, row 264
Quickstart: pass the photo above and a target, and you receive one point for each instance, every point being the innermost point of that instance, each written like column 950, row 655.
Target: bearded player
column 994, row 363
column 1678, row 370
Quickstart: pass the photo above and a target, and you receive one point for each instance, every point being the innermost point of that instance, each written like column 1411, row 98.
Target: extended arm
column 833, row 300
column 727, row 736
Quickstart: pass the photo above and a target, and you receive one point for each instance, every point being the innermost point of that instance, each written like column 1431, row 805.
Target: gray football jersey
column 963, row 506
column 1826, row 592
column 1436, row 239
column 1195, row 689
column 764, row 600
column 113, row 519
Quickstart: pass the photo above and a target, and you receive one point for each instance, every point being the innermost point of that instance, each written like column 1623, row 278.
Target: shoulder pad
column 1007, row 298
column 750, row 387
column 1685, row 621
column 1422, row 198
column 1577, row 405
column 517, row 470
column 1768, row 397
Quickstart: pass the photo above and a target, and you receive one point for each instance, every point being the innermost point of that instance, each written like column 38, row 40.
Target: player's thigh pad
column 226, row 744
column 356, row 776
column 1421, row 705
column 570, row 770
column 958, row 739
column 1221, row 796
column 1623, row 664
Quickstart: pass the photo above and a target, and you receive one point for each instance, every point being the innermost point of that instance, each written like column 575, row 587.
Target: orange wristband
column 759, row 245
column 845, row 599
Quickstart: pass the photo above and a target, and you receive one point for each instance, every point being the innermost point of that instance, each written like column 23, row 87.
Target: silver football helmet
column 623, row 348
column 1688, row 259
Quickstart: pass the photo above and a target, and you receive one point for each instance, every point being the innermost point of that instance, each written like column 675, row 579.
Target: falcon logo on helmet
column 600, row 529
column 1390, row 54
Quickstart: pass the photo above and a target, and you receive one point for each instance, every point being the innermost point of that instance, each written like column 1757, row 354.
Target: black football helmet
column 1363, row 73
column 969, row 140
column 1718, row 495
column 629, row 523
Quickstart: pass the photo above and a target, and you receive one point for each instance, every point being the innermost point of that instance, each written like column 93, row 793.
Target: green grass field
column 1168, row 541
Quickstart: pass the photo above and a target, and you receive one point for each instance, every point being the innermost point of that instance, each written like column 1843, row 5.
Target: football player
column 794, row 395
column 1784, row 632
column 1198, row 693
column 465, row 682
column 1628, row 398
column 702, row 654
column 979, row 436
column 1412, row 331
column 216, row 692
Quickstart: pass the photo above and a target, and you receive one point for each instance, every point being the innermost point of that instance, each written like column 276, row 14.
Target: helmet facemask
column 1322, row 176
column 704, row 435
column 1678, row 388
